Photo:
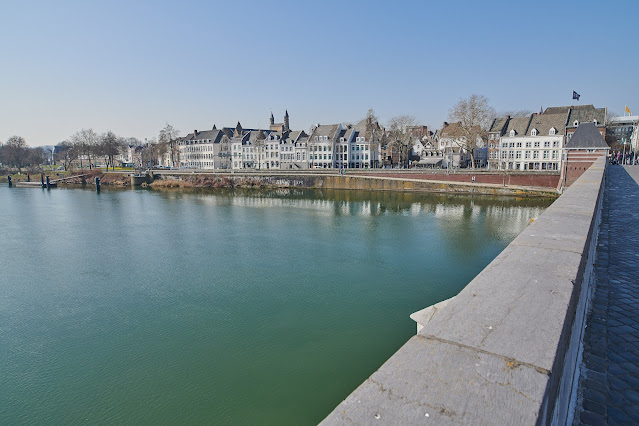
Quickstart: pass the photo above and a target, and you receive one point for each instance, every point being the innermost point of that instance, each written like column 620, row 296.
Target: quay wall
column 527, row 185
column 506, row 349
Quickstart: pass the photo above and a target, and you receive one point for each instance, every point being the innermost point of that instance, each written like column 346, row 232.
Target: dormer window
column 533, row 132
column 512, row 133
column 576, row 123
column 594, row 121
column 552, row 131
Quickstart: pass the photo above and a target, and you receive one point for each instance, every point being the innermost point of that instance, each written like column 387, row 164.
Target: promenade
column 609, row 387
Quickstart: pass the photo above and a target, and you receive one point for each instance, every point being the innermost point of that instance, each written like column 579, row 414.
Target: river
column 222, row 307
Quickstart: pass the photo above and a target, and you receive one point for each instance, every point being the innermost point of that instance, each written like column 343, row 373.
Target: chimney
column 194, row 132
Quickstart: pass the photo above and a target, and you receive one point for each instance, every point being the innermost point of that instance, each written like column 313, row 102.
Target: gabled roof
column 519, row 125
column 567, row 108
column 326, row 130
column 214, row 135
column 544, row 122
column 498, row 125
column 587, row 115
column 586, row 136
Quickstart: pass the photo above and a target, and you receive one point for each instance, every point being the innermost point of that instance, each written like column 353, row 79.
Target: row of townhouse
column 536, row 142
column 341, row 146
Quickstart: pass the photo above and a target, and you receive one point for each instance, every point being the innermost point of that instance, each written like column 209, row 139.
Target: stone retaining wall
column 361, row 181
column 505, row 349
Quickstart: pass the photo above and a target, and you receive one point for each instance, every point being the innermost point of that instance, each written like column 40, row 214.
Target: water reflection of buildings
column 453, row 211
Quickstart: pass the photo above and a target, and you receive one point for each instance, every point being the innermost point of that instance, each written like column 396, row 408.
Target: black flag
column 575, row 95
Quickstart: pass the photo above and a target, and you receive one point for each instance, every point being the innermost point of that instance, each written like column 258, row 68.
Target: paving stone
column 588, row 418
column 610, row 389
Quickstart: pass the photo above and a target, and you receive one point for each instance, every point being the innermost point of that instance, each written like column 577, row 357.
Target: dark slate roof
column 555, row 110
column 586, row 136
column 498, row 125
column 214, row 135
column 518, row 124
column 587, row 115
column 546, row 121
column 326, row 130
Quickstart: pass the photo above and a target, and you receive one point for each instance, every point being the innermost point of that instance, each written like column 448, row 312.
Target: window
column 511, row 145
column 528, row 144
column 533, row 132
column 535, row 154
column 554, row 155
column 536, row 144
column 554, row 144
column 527, row 156
column 518, row 155
column 576, row 123
column 552, row 131
column 518, row 144
column 547, row 144
column 512, row 133
column 504, row 144
column 546, row 155
column 595, row 121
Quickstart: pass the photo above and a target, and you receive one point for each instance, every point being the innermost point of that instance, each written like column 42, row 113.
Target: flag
column 628, row 110
column 575, row 95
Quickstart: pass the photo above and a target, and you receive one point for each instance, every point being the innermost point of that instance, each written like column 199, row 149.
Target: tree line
column 84, row 146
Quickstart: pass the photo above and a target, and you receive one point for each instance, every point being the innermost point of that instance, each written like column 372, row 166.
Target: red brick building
column 584, row 147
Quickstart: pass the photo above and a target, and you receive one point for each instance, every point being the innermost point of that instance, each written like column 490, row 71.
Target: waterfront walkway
column 609, row 386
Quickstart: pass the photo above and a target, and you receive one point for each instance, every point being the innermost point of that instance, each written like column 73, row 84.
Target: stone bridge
column 506, row 349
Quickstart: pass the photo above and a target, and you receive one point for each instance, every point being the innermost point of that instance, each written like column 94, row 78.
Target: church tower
column 287, row 126
column 272, row 119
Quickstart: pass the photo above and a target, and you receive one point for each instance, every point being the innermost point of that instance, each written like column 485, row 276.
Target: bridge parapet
column 505, row 350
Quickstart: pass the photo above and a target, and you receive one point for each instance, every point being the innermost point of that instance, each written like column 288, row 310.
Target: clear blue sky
column 131, row 67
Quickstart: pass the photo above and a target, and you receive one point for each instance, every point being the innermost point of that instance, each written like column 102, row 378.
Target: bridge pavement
column 609, row 386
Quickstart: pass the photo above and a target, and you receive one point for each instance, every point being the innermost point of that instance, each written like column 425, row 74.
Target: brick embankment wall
column 578, row 162
column 516, row 179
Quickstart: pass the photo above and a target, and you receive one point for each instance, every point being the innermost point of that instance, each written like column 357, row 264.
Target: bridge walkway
column 609, row 386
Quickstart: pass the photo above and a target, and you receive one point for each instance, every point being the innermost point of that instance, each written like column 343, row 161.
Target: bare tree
column 85, row 141
column 168, row 137
column 474, row 116
column 16, row 152
column 110, row 145
column 66, row 152
column 400, row 135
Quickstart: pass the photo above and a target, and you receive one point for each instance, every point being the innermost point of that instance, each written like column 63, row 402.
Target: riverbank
column 466, row 182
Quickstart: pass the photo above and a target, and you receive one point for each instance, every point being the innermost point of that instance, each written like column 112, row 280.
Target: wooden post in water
column 9, row 180
column 97, row 184
column 42, row 179
column 48, row 183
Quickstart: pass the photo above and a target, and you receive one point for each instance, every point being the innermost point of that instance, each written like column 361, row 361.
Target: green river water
column 220, row 307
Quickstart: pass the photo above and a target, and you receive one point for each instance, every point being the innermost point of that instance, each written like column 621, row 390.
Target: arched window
column 552, row 131
column 512, row 133
column 533, row 132
column 595, row 121
column 576, row 123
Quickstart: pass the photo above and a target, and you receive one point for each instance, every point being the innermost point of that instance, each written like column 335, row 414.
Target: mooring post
column 97, row 184
column 28, row 178
column 48, row 183
column 42, row 179
column 9, row 180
